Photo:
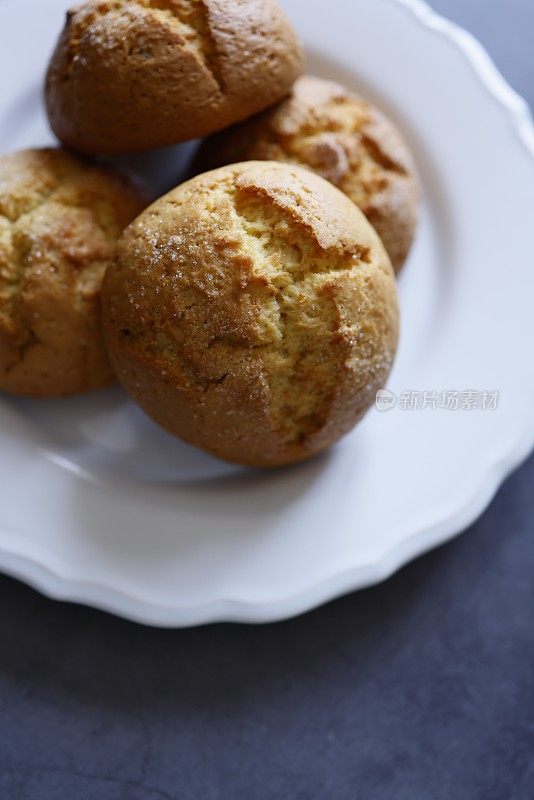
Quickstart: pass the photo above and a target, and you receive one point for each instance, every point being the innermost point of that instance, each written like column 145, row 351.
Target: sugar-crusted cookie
column 131, row 75
column 60, row 219
column 252, row 312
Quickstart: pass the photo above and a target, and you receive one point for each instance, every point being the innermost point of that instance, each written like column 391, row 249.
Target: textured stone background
column 419, row 689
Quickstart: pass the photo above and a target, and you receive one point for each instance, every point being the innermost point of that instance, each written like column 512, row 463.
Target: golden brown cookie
column 344, row 139
column 131, row 75
column 252, row 312
column 60, row 219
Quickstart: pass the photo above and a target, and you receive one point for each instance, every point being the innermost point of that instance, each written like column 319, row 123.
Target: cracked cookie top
column 341, row 137
column 60, row 219
column 130, row 75
column 252, row 312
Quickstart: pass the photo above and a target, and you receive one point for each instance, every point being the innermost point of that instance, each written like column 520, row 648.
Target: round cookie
column 60, row 219
column 253, row 312
column 343, row 138
column 130, row 75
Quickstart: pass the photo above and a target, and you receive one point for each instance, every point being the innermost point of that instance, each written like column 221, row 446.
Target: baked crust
column 60, row 219
column 252, row 312
column 341, row 137
column 129, row 75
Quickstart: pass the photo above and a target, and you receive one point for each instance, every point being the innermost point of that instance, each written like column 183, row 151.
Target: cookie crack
column 11, row 289
column 293, row 266
column 278, row 224
column 190, row 19
column 15, row 283
column 379, row 155
column 166, row 350
column 330, row 149
column 193, row 17
column 43, row 198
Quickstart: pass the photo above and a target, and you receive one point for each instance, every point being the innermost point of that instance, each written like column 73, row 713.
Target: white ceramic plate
column 101, row 507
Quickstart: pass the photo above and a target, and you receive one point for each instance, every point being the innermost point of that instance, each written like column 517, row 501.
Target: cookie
column 129, row 75
column 343, row 138
column 60, row 219
column 253, row 313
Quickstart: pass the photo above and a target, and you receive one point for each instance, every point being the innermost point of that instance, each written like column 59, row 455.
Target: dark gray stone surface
column 419, row 689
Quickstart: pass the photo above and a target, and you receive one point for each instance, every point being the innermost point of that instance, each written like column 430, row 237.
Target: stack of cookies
column 252, row 311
